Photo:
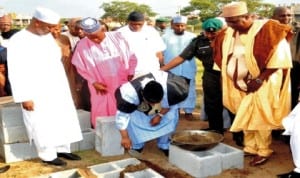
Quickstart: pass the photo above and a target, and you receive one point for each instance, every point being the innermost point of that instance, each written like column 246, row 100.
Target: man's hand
column 155, row 120
column 129, row 77
column 253, row 85
column 100, row 88
column 125, row 140
column 28, row 105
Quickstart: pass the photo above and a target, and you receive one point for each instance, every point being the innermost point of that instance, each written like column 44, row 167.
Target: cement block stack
column 108, row 138
column 208, row 162
column 88, row 141
column 14, row 140
column 15, row 144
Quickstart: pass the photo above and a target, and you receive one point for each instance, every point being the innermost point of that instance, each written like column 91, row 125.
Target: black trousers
column 295, row 82
column 213, row 99
column 238, row 137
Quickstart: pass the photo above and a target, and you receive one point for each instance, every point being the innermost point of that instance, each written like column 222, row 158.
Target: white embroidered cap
column 90, row 25
column 46, row 15
column 179, row 19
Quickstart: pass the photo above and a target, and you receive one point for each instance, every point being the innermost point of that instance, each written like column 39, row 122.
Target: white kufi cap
column 180, row 19
column 46, row 15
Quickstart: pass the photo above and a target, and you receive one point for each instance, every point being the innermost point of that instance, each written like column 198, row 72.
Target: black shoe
column 238, row 137
column 286, row 139
column 56, row 162
column 69, row 156
column 276, row 134
column 291, row 174
column 165, row 151
column 4, row 168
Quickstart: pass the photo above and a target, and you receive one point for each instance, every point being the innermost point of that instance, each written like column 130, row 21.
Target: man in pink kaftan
column 105, row 61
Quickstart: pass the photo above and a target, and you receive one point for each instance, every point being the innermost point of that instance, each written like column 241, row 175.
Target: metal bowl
column 196, row 140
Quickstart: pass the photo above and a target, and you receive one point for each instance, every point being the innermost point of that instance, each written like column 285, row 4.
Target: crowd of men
column 144, row 75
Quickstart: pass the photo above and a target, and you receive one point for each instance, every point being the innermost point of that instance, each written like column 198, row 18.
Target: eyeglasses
column 285, row 15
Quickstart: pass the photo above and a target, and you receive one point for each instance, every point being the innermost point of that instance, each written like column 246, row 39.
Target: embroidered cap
column 46, row 15
column 90, row 25
column 179, row 19
column 212, row 25
column 234, row 9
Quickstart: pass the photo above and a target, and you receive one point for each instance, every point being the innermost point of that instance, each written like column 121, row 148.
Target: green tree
column 212, row 8
column 119, row 10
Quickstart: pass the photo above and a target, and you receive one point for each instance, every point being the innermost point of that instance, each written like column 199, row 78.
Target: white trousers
column 291, row 124
column 50, row 153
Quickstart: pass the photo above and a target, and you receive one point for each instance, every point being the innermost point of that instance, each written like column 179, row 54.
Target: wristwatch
column 258, row 80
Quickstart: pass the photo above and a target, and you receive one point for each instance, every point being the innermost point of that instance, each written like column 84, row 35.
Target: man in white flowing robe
column 291, row 124
column 39, row 83
column 145, row 42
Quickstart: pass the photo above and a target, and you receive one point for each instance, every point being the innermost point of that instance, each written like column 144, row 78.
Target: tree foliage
column 119, row 10
column 212, row 8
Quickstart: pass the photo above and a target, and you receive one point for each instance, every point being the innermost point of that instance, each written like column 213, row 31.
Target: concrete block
column 112, row 169
column 200, row 163
column 62, row 174
column 11, row 115
column 108, row 138
column 87, row 143
column 17, row 152
column 106, row 170
column 231, row 157
column 126, row 162
column 149, row 173
column 84, row 118
column 13, row 134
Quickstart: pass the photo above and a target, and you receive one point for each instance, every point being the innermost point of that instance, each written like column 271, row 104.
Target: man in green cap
column 161, row 25
column 201, row 48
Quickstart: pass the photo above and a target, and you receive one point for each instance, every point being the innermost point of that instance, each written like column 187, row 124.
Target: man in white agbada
column 39, row 83
column 291, row 124
column 145, row 42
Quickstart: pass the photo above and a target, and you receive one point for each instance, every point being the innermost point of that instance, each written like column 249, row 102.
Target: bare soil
column 280, row 162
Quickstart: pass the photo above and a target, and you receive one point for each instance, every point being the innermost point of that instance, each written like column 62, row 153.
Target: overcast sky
column 84, row 8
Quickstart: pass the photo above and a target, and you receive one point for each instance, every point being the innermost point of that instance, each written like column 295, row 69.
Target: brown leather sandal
column 258, row 160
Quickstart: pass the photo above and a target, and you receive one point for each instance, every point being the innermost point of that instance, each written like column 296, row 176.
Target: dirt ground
column 280, row 162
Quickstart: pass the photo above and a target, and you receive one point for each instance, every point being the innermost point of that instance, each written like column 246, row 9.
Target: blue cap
column 90, row 25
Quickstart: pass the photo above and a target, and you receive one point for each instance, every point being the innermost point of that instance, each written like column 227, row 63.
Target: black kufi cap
column 136, row 16
column 153, row 92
